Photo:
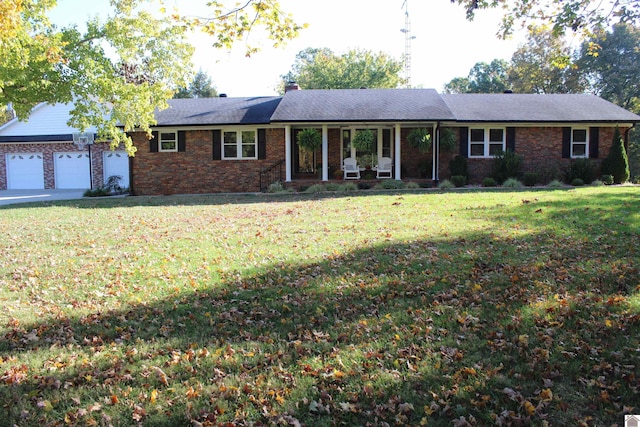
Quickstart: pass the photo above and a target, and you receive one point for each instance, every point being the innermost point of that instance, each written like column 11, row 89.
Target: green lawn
column 484, row 307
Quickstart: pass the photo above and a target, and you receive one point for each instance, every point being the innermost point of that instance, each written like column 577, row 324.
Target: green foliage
column 97, row 192
column 200, row 87
column 448, row 141
column 597, row 183
column 582, row 169
column 363, row 140
column 512, row 183
column 530, row 179
column 489, row 182
column 390, row 184
column 411, row 185
column 483, row 78
column 459, row 180
column 459, row 166
column 309, row 139
column 315, row 188
column 276, row 187
column 607, row 179
column 505, row 165
column 616, row 163
column 322, row 69
column 555, row 184
column 577, row 182
column 446, row 185
column 420, row 138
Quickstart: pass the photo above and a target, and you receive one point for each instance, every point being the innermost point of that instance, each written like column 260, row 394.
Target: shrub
column 458, row 166
column 607, row 179
column 597, row 183
column 446, row 185
column 113, row 185
column 530, row 179
column 555, row 184
column 390, row 184
column 577, row 182
column 97, row 192
column 617, row 162
column 315, row 188
column 411, row 185
column 349, row 186
column 459, row 180
column 581, row 169
column 506, row 164
column 489, row 182
column 332, row 186
column 338, row 174
column 275, row 187
column 363, row 186
column 512, row 183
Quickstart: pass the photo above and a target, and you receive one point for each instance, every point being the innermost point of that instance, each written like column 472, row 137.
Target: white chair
column 350, row 168
column 385, row 167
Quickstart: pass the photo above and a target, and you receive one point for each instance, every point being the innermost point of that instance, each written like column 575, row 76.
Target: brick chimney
column 291, row 86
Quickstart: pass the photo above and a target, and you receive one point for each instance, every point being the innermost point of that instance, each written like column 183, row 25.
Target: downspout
column 436, row 154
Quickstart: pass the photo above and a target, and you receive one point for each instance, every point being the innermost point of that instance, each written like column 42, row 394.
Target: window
column 169, row 141
column 365, row 157
column 240, row 144
column 486, row 142
column 579, row 143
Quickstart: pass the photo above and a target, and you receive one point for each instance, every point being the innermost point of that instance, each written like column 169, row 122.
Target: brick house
column 243, row 144
column 41, row 154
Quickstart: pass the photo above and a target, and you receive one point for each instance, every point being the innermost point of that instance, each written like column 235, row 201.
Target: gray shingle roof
column 356, row 105
column 512, row 107
column 218, row 111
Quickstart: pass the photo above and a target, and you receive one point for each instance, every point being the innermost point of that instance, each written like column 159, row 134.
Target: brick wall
column 48, row 150
column 195, row 171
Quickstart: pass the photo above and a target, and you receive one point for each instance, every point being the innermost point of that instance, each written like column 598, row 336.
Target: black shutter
column 262, row 144
column 594, row 141
column 217, row 144
column 566, row 143
column 182, row 140
column 153, row 142
column 511, row 139
column 464, row 142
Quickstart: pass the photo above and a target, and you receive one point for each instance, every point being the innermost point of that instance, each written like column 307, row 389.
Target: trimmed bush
column 275, row 187
column 349, row 186
column 459, row 180
column 316, row 188
column 607, row 179
column 390, row 184
column 555, row 184
column 363, row 186
column 97, row 192
column 617, row 162
column 577, row 182
column 332, row 186
column 581, row 169
column 489, row 182
column 506, row 164
column 530, row 179
column 597, row 183
column 446, row 185
column 411, row 185
column 512, row 183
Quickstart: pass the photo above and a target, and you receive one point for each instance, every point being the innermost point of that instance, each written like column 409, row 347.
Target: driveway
column 9, row 197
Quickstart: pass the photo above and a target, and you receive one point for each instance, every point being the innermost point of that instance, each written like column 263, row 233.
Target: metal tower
column 407, row 44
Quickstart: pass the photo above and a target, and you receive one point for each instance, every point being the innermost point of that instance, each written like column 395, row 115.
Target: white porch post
column 287, row 153
column 397, row 153
column 436, row 153
column 325, row 153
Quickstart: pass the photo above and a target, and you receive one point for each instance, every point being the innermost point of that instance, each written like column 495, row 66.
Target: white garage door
column 116, row 163
column 72, row 170
column 25, row 171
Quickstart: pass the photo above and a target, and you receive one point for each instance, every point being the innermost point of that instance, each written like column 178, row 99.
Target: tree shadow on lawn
column 473, row 326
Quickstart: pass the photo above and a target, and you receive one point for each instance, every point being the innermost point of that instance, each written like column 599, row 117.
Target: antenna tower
column 407, row 44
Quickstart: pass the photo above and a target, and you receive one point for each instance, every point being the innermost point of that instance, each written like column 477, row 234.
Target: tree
column 118, row 70
column 617, row 163
column 200, row 87
column 483, row 78
column 584, row 16
column 611, row 61
column 322, row 69
column 544, row 64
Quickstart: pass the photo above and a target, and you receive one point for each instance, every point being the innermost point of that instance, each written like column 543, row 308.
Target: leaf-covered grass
column 480, row 307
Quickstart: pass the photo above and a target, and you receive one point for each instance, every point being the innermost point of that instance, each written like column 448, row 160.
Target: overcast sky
column 445, row 44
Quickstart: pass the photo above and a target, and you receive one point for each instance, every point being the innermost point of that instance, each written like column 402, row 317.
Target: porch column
column 397, row 152
column 436, row 152
column 325, row 153
column 287, row 153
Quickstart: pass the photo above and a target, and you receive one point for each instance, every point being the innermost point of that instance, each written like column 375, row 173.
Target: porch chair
column 385, row 166
column 350, row 168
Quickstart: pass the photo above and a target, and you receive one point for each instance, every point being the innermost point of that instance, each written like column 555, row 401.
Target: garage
column 25, row 171
column 72, row 170
column 116, row 163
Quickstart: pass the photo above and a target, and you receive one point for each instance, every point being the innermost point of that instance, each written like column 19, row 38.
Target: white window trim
column 160, row 132
column 238, row 144
column 586, row 143
column 487, row 143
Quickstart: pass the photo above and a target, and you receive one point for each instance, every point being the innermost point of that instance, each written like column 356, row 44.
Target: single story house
column 244, row 144
column 41, row 154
